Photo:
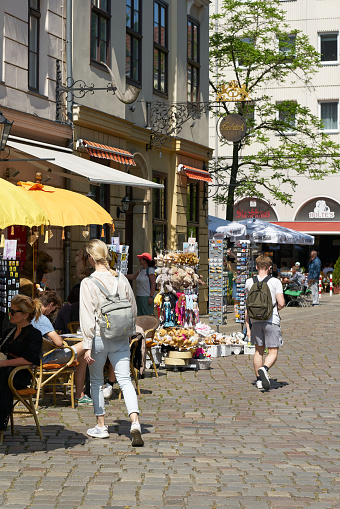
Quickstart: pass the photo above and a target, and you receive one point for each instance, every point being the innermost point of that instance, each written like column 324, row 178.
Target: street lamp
column 5, row 128
column 125, row 206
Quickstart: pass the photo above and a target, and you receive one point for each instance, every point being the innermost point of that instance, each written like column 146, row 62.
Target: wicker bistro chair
column 149, row 325
column 55, row 374
column 73, row 327
column 23, row 396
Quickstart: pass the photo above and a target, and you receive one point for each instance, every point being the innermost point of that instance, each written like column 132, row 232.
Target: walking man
column 265, row 333
column 314, row 268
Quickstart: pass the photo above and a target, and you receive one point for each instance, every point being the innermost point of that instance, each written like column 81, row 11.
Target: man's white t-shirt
column 275, row 286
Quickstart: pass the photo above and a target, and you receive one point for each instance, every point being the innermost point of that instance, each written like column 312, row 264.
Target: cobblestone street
column 212, row 440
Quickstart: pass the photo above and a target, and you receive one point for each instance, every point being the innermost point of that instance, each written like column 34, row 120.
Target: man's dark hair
column 48, row 297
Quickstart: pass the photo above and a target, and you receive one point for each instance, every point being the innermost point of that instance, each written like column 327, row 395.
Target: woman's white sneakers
column 136, row 435
column 98, row 432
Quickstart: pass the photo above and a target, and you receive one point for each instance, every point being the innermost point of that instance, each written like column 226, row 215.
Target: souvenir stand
column 218, row 282
column 9, row 280
column 119, row 256
column 243, row 258
column 177, row 304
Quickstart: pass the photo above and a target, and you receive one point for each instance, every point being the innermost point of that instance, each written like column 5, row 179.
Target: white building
column 316, row 207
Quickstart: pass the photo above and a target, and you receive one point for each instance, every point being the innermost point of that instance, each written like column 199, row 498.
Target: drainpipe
column 69, row 75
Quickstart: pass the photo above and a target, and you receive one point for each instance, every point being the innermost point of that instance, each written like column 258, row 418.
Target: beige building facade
column 316, row 207
column 155, row 54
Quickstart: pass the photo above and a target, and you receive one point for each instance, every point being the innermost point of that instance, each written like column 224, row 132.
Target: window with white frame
column 329, row 115
column 329, row 47
column 244, row 62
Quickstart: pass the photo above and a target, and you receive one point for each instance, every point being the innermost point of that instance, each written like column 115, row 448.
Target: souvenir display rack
column 9, row 282
column 120, row 257
column 218, row 282
column 243, row 258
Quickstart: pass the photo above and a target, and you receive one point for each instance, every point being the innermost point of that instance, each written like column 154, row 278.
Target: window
column 33, row 44
column 133, row 60
column 286, row 115
column 192, row 209
column 100, row 31
column 159, row 214
column 329, row 47
column 287, row 45
column 193, row 60
column 160, row 42
column 246, row 60
column 329, row 115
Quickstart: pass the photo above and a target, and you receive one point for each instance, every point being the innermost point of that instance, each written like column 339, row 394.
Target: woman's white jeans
column 120, row 360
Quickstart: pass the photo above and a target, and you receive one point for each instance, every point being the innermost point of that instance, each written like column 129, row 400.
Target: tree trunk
column 232, row 184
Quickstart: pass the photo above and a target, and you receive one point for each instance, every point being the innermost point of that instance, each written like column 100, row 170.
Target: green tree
column 252, row 44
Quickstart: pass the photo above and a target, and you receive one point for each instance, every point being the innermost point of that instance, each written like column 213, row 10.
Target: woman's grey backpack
column 116, row 320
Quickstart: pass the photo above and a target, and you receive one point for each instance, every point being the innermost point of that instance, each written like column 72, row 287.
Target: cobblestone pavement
column 212, row 440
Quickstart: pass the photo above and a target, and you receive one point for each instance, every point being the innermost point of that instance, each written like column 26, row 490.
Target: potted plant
column 336, row 276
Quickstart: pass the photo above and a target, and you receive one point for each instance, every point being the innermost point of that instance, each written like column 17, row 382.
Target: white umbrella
column 233, row 229
column 262, row 231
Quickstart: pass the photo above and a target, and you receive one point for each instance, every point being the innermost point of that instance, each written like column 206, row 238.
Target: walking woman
column 97, row 349
column 21, row 345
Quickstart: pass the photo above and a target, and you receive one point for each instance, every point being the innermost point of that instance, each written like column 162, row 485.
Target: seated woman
column 22, row 346
column 50, row 301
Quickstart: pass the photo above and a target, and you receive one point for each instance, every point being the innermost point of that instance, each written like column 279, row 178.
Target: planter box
column 336, row 290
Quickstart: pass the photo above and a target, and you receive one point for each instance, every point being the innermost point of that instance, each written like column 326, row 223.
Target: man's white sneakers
column 263, row 374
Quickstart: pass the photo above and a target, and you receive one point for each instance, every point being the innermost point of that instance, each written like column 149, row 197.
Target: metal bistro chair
column 149, row 325
column 53, row 374
column 23, row 396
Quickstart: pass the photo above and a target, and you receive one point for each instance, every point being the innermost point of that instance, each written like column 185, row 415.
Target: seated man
column 294, row 282
column 49, row 303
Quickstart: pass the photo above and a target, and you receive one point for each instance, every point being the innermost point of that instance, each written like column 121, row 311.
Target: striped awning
column 106, row 152
column 194, row 173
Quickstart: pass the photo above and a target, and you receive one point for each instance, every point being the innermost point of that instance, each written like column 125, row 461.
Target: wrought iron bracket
column 75, row 89
column 166, row 120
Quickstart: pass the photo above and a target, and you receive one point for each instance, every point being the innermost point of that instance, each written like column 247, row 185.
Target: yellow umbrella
column 18, row 207
column 66, row 208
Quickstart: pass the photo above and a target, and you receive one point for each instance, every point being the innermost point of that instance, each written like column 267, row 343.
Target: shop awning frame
column 194, row 173
column 106, row 152
column 93, row 172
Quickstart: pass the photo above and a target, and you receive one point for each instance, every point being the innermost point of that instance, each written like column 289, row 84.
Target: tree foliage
column 252, row 44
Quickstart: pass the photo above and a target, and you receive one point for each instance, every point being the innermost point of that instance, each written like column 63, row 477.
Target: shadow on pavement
column 122, row 427
column 26, row 439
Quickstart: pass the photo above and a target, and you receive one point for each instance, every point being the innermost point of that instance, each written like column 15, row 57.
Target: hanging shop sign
column 254, row 208
column 233, row 127
column 319, row 209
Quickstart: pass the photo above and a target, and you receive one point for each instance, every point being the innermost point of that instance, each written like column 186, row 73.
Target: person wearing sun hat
column 145, row 279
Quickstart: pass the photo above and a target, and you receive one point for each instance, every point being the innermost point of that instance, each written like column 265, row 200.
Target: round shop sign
column 233, row 127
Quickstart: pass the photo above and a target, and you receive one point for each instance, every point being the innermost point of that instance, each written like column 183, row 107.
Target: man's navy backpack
column 259, row 302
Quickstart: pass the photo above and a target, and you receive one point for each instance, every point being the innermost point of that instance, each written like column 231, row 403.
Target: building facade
column 148, row 126
column 315, row 203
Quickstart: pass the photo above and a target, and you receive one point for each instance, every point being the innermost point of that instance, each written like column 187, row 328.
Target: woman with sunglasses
column 21, row 345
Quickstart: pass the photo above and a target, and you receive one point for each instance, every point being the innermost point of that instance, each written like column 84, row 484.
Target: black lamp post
column 125, row 206
column 5, row 128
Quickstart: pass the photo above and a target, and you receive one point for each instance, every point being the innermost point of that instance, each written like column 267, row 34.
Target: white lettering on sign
column 321, row 211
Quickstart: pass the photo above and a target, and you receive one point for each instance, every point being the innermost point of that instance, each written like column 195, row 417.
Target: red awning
column 312, row 227
column 195, row 173
column 106, row 152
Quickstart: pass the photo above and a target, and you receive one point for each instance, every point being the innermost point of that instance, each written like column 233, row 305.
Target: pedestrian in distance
column 97, row 347
column 314, row 269
column 265, row 332
column 145, row 279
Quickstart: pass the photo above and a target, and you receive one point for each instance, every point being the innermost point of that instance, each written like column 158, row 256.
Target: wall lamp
column 5, row 128
column 125, row 206
column 11, row 173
